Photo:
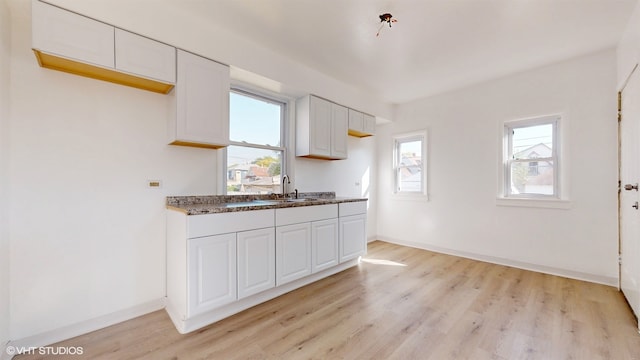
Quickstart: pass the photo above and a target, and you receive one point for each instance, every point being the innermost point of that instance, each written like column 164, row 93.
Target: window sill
column 534, row 203
column 410, row 196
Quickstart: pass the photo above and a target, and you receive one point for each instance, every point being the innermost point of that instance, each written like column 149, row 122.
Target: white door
column 256, row 261
column 629, row 196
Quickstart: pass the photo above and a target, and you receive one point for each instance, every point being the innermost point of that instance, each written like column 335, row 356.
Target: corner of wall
column 5, row 54
column 628, row 50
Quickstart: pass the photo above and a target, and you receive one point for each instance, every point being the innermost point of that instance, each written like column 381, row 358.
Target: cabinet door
column 339, row 131
column 63, row 33
column 353, row 241
column 139, row 55
column 293, row 252
column 256, row 261
column 324, row 244
column 369, row 125
column 356, row 121
column 319, row 127
column 202, row 92
column 211, row 273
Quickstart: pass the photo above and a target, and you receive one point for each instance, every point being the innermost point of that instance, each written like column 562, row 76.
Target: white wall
column 629, row 47
column 464, row 150
column 355, row 176
column 87, row 236
column 5, row 52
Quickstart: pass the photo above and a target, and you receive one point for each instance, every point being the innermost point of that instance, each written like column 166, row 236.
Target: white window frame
column 558, row 199
column 397, row 141
column 284, row 115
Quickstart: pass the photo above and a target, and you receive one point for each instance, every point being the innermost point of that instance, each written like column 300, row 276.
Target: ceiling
column 435, row 45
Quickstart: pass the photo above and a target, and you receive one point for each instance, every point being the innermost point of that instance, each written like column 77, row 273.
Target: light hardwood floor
column 399, row 303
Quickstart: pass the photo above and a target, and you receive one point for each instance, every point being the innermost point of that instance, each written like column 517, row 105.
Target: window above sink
column 255, row 158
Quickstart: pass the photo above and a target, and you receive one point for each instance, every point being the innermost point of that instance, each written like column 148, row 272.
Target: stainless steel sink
column 300, row 200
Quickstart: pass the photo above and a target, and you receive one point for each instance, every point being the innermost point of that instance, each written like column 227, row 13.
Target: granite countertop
column 212, row 204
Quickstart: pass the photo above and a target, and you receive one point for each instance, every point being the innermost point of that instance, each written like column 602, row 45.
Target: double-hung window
column 409, row 164
column 531, row 161
column 256, row 154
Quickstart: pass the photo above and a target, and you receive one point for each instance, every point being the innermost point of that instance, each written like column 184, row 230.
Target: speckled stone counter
column 211, row 204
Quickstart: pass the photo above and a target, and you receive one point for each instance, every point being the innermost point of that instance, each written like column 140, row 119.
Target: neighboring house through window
column 531, row 161
column 255, row 156
column 409, row 163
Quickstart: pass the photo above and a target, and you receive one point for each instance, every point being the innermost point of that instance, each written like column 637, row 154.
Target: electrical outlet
column 154, row 184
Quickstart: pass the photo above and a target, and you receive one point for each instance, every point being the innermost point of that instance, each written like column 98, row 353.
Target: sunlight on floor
column 381, row 262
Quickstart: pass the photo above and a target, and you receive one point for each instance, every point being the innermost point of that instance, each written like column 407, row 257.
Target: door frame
column 624, row 85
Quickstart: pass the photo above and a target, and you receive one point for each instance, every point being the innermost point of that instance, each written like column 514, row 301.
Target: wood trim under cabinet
column 95, row 72
column 198, row 145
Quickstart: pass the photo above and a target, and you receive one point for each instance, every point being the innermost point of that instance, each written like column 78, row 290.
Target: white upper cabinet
column 139, row 55
column 201, row 103
column 72, row 43
column 321, row 128
column 356, row 121
column 360, row 124
column 339, row 129
column 369, row 125
column 63, row 33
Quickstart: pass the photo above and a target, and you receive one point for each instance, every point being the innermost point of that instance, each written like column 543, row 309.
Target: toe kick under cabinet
column 220, row 264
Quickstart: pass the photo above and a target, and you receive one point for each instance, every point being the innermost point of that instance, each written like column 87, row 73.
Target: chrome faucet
column 284, row 185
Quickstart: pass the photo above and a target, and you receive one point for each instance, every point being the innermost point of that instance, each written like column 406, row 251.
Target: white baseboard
column 84, row 327
column 598, row 279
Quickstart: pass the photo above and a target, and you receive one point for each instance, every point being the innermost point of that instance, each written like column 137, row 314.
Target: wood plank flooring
column 399, row 303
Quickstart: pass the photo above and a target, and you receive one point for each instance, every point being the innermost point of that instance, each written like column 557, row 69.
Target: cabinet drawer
column 295, row 215
column 353, row 208
column 212, row 224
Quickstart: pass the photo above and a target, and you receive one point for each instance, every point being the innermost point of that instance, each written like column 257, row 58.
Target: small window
column 255, row 156
column 531, row 163
column 409, row 163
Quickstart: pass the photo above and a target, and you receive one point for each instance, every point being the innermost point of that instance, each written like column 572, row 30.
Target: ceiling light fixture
column 385, row 18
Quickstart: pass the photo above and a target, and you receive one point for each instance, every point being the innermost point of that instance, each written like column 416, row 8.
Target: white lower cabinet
column 324, row 244
column 256, row 261
column 353, row 230
column 211, row 274
column 353, row 239
column 293, row 252
column 221, row 264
